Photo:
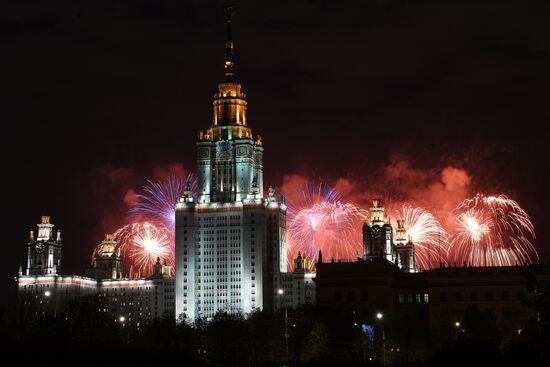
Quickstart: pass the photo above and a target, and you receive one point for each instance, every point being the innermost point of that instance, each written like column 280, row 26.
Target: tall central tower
column 229, row 162
column 230, row 240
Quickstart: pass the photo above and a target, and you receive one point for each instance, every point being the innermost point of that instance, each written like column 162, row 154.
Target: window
column 426, row 298
column 401, row 298
column 418, row 298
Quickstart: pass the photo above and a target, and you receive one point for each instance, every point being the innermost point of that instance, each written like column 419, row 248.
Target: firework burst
column 309, row 195
column 492, row 231
column 141, row 244
column 156, row 203
column 427, row 234
column 333, row 227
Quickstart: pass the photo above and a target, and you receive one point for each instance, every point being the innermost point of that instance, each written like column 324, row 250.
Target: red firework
column 333, row 227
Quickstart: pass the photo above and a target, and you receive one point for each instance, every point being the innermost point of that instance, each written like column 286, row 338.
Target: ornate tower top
column 108, row 245
column 45, row 229
column 229, row 104
column 400, row 233
column 377, row 212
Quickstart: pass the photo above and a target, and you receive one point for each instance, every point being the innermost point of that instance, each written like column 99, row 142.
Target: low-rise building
column 43, row 291
column 297, row 287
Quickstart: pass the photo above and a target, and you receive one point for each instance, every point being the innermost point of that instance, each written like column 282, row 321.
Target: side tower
column 230, row 240
column 404, row 250
column 108, row 261
column 44, row 251
column 378, row 234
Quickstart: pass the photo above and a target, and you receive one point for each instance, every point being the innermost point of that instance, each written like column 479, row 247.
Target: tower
column 230, row 240
column 108, row 261
column 44, row 251
column 404, row 249
column 301, row 263
column 378, row 234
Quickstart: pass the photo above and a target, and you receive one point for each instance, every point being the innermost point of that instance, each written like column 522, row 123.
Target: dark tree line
column 316, row 337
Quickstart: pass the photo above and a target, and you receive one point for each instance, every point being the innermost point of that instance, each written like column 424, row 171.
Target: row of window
column 414, row 298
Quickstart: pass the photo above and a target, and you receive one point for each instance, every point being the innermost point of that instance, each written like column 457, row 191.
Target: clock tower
column 44, row 250
column 378, row 234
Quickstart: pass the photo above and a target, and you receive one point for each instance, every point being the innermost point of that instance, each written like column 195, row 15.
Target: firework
column 141, row 244
column 333, row 227
column 427, row 234
column 156, row 203
column 310, row 194
column 492, row 231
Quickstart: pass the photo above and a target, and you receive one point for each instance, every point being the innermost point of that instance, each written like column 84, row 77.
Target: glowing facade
column 44, row 250
column 230, row 240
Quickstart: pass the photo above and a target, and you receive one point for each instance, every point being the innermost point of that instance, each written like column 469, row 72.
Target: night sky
column 98, row 96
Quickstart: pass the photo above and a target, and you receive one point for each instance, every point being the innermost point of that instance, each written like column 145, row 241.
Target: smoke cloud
column 438, row 189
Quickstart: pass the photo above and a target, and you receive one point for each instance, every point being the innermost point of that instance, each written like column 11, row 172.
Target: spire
column 229, row 65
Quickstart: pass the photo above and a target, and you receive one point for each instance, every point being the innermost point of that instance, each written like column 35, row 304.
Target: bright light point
column 457, row 324
column 47, row 293
column 280, row 291
column 121, row 319
column 379, row 315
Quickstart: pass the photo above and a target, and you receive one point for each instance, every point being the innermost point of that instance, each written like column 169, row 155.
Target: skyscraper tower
column 230, row 240
column 44, row 251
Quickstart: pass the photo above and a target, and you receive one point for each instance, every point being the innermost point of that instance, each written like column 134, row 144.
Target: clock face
column 203, row 153
column 39, row 247
column 376, row 232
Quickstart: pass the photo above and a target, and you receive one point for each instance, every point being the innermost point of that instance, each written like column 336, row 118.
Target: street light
column 280, row 292
column 380, row 316
column 457, row 323
column 47, row 293
column 121, row 319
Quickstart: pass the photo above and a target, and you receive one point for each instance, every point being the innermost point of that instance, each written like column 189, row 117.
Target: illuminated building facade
column 297, row 288
column 42, row 290
column 379, row 242
column 230, row 239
